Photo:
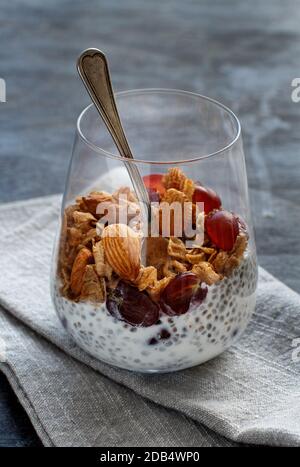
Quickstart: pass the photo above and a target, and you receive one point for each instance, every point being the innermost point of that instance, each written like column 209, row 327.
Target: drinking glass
column 153, row 300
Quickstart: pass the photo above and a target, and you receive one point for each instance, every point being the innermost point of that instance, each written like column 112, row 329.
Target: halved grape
column 161, row 336
column 177, row 296
column 222, row 227
column 207, row 196
column 154, row 195
column 154, row 182
column 127, row 304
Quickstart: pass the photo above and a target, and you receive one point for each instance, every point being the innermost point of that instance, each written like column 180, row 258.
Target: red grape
column 222, row 227
column 154, row 195
column 207, row 196
column 154, row 182
column 177, row 296
column 162, row 335
column 200, row 294
column 127, row 304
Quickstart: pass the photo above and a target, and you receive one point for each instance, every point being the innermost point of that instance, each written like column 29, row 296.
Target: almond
column 122, row 248
column 83, row 258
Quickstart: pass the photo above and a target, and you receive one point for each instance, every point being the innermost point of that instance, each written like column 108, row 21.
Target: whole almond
column 83, row 258
column 122, row 249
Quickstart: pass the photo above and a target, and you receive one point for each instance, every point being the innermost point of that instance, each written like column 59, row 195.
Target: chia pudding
column 159, row 305
column 174, row 343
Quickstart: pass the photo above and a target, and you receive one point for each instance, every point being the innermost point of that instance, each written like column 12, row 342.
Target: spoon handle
column 93, row 69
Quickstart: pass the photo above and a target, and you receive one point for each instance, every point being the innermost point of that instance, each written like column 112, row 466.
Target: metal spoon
column 93, row 69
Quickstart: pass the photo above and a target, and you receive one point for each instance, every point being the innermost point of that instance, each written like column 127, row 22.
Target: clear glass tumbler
column 177, row 291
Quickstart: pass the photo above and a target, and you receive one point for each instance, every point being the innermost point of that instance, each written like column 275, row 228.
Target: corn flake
column 147, row 277
column 172, row 195
column 195, row 256
column 93, row 286
column 156, row 290
column 103, row 269
column 188, row 188
column 176, row 248
column 206, row 273
column 175, row 178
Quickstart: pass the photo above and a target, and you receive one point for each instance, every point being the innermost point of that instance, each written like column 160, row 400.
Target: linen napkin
column 249, row 394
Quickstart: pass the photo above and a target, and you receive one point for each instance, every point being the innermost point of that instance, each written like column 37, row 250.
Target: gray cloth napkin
column 250, row 394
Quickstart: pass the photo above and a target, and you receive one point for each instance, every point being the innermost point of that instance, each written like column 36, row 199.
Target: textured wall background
column 242, row 53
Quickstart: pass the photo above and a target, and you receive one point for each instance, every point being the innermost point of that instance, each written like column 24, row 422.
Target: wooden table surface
column 242, row 53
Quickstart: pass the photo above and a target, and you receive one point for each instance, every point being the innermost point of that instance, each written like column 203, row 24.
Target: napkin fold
column 249, row 394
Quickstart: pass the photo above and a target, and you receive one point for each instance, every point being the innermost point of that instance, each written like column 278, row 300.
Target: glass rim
column 195, row 158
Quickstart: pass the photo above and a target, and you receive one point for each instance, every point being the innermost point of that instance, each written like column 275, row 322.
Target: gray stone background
column 242, row 53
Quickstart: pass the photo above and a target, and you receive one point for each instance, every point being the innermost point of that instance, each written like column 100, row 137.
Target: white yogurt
column 195, row 337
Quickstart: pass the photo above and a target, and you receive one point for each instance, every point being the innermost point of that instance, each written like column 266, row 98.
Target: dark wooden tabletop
column 243, row 53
